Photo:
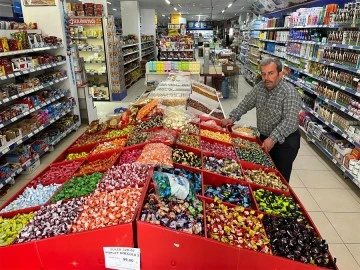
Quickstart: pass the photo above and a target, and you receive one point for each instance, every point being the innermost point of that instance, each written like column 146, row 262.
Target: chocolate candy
column 78, row 186
column 276, row 204
column 190, row 140
column 11, row 227
column 224, row 166
column 268, row 179
column 180, row 215
column 100, row 165
column 32, row 197
column 255, row 156
column 149, row 124
column 137, row 138
column 242, row 143
column 119, row 133
column 218, row 148
column 123, row 176
column 297, row 241
column 192, row 128
column 72, row 156
column 89, row 139
column 231, row 193
column 51, row 220
column 186, row 158
column 215, row 135
column 130, row 156
column 240, row 228
column 104, row 209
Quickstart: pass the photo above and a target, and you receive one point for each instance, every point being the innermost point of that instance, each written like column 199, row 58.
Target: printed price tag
column 332, row 64
column 31, row 134
column 48, row 66
column 11, row 76
column 351, row 47
column 3, row 77
column 32, row 70
column 326, row 100
column 41, row 128
column 5, row 150
column 122, row 258
column 342, row 109
column 14, row 119
column 334, row 160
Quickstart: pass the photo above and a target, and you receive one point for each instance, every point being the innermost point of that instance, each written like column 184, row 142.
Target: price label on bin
column 122, row 258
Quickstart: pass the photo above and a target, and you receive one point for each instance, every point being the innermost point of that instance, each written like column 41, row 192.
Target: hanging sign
column 84, row 21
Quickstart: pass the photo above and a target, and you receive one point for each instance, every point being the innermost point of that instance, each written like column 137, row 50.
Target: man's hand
column 226, row 122
column 268, row 144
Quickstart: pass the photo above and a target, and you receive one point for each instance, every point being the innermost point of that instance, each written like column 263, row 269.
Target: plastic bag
column 166, row 136
column 157, row 154
column 173, row 185
column 144, row 111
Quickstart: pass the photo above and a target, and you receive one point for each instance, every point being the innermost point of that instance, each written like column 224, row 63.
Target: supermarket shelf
column 131, row 53
column 128, row 62
column 130, row 45
column 172, row 50
column 274, row 28
column 328, row 101
column 101, row 99
column 144, row 42
column 31, row 50
column 273, row 41
column 342, row 46
column 252, row 45
column 14, row 119
column 8, row 148
column 355, row 70
column 86, row 38
column 255, row 72
column 30, row 70
column 255, row 54
column 175, row 59
column 267, row 52
column 96, row 73
column 127, row 72
column 252, row 62
column 32, row 90
column 64, row 134
column 132, row 82
column 95, row 62
column 329, row 26
column 148, row 53
column 329, row 156
column 331, row 126
column 149, row 47
column 346, row 89
column 90, row 50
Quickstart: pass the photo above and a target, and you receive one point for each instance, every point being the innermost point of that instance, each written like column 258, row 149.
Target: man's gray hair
column 268, row 61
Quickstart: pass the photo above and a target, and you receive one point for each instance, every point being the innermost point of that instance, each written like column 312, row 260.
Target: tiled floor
column 332, row 201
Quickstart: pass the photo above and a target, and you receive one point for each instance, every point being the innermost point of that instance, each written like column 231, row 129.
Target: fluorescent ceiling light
column 168, row 2
column 175, row 8
column 229, row 5
column 223, row 11
column 114, row 9
column 163, row 15
column 108, row 2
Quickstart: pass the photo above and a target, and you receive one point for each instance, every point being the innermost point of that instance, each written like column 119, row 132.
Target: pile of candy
column 123, row 176
column 216, row 135
column 192, row 128
column 72, row 156
column 11, row 227
column 104, row 209
column 99, row 165
column 267, row 179
column 186, row 158
column 223, row 166
column 130, row 156
column 279, row 205
column 240, row 228
column 138, row 138
column 185, row 216
column 89, row 139
column 77, row 187
column 218, row 148
column 119, row 133
column 51, row 220
column 297, row 241
column 149, row 124
column 189, row 140
column 157, row 154
column 255, row 156
column 32, row 197
column 108, row 146
column 231, row 193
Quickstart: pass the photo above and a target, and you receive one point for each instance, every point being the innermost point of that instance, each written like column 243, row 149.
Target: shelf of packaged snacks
column 127, row 72
column 253, row 45
column 314, row 59
column 173, row 50
column 64, row 134
column 130, row 53
column 3, row 54
column 175, row 59
column 95, row 62
column 43, row 104
column 90, row 50
column 132, row 60
column 101, row 99
column 328, row 101
column 86, row 38
column 273, row 41
column 274, row 28
column 31, row 70
column 132, row 82
column 255, row 72
column 148, row 53
column 329, row 26
column 330, row 157
column 253, row 62
column 144, row 42
column 335, row 45
column 258, row 56
column 273, row 54
column 130, row 45
column 344, row 88
column 148, row 47
column 96, row 73
column 18, row 142
column 333, row 127
column 32, row 90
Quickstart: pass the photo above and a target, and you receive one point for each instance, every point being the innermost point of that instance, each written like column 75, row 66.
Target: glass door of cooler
column 88, row 33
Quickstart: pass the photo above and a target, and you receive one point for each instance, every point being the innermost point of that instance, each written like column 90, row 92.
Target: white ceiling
column 191, row 8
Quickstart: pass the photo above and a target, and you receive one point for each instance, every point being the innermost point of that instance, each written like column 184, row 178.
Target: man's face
column 270, row 76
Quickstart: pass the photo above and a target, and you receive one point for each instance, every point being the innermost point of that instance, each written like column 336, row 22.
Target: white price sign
column 122, row 258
